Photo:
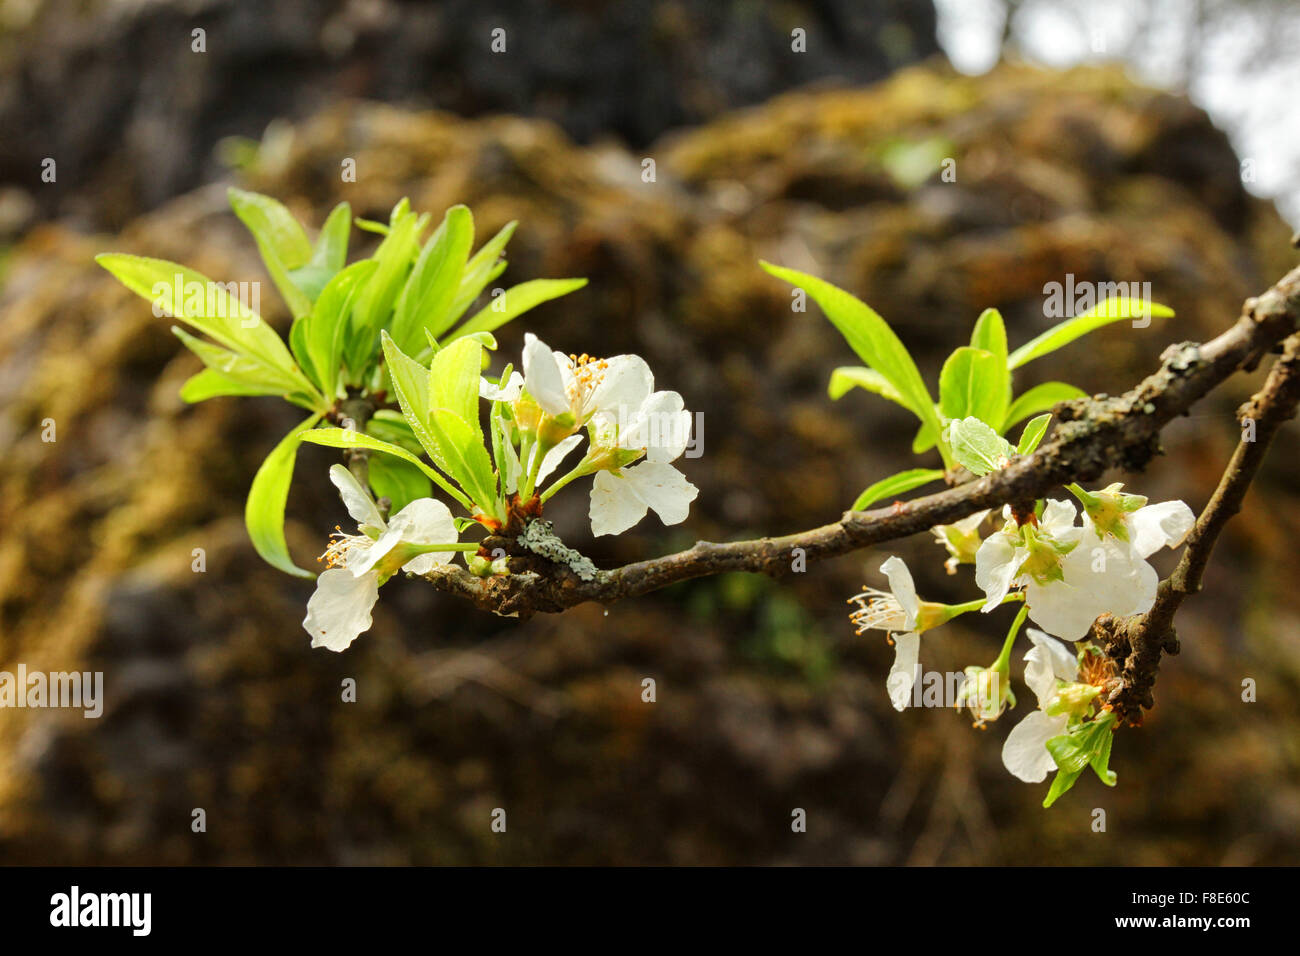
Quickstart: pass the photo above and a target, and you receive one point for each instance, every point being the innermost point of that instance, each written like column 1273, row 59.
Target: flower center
column 588, row 372
column 877, row 609
column 341, row 544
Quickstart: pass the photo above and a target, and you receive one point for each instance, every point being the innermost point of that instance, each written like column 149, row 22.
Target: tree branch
column 1091, row 436
column 1136, row 643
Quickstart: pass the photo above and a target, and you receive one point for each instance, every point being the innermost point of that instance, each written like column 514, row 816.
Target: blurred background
column 1149, row 141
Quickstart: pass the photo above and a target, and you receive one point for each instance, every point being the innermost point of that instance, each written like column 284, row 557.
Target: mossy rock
column 766, row 700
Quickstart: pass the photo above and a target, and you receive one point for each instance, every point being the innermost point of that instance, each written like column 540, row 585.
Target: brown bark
column 1091, row 436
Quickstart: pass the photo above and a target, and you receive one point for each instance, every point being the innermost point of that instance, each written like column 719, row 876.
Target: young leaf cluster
column 357, row 332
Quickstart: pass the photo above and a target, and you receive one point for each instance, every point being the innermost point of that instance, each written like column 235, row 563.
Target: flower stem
column 1087, row 499
column 455, row 546
column 954, row 610
column 1004, row 659
column 525, row 448
column 957, row 609
column 539, row 452
column 578, row 471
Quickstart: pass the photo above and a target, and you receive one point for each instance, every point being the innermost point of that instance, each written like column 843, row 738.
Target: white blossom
column 649, row 425
column 582, row 385
column 1025, row 752
column 961, row 539
column 1070, row 576
column 508, row 391
column 1128, row 518
column 620, row 498
column 340, row 608
column 897, row 612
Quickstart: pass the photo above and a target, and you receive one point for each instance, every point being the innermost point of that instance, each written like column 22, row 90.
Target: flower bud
column 986, row 692
column 1108, row 508
column 1072, row 699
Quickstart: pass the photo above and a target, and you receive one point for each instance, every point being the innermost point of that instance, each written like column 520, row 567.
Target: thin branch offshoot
column 1091, row 436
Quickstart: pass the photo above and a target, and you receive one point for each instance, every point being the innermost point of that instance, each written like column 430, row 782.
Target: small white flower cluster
column 359, row 563
column 1072, row 573
column 1065, row 573
column 634, row 433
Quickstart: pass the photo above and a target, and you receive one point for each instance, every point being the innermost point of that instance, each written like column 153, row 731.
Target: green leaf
column 990, row 333
column 375, row 303
column 482, row 268
column 454, row 420
column 330, row 254
column 516, row 301
column 1100, row 762
column 975, row 446
column 1033, row 434
column 238, row 367
column 398, row 481
column 298, row 346
column 466, row 457
column 264, row 510
column 454, row 380
column 280, row 240
column 485, row 339
column 1086, row 745
column 848, row 377
column 272, row 225
column 1040, row 398
column 347, row 438
column 299, row 302
column 327, row 324
column 973, row 383
column 897, row 484
column 410, row 382
column 1112, row 310
column 1071, row 752
column 434, row 281
column 210, row 383
column 390, row 426
column 350, row 438
column 1061, row 784
column 203, row 304
column 869, row 336
column 927, row 436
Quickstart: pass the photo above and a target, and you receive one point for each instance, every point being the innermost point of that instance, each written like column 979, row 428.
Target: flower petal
column 1038, row 675
column 339, row 610
column 970, row 522
column 501, row 393
column 1063, row 661
column 1025, row 752
column 1058, row 517
column 627, row 381
column 663, row 488
column 903, row 674
column 542, row 376
column 362, row 559
column 1160, row 525
column 357, row 500
column 1100, row 577
column 557, row 455
column 426, row 521
column 997, row 562
column 615, row 507
column 902, row 587
column 1129, row 583
column 664, row 427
